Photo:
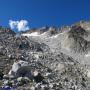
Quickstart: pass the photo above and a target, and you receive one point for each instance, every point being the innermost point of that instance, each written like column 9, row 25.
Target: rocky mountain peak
column 46, row 58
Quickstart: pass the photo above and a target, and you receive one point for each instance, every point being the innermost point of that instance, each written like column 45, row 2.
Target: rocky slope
column 46, row 58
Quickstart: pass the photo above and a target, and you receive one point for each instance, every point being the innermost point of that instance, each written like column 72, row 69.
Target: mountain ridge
column 60, row 57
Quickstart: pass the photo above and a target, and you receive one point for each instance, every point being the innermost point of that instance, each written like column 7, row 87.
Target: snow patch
column 55, row 36
column 31, row 34
column 35, row 34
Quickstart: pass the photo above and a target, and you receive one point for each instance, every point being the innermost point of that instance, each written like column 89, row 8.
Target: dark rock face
column 24, row 72
column 1, row 75
column 77, row 33
column 5, row 63
column 39, row 78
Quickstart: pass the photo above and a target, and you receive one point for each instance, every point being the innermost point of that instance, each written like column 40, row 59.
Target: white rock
column 32, row 88
column 19, row 79
column 36, row 56
column 5, row 82
column 88, row 73
column 35, row 73
column 42, row 86
column 87, row 55
column 51, row 85
column 47, row 74
column 26, row 78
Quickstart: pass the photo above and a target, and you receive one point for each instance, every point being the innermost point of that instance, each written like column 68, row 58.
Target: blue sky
column 44, row 12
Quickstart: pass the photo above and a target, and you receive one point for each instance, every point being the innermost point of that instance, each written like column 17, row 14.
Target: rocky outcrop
column 16, row 66
column 79, row 43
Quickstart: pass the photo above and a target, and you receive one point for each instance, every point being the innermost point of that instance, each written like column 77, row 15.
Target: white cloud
column 13, row 24
column 21, row 25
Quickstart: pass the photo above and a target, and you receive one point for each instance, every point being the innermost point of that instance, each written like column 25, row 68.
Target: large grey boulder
column 18, row 66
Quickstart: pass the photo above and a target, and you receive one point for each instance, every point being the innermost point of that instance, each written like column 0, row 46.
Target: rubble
column 43, row 62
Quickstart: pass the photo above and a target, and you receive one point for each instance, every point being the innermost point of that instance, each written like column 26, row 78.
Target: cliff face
column 60, row 56
column 77, row 33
